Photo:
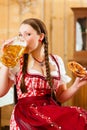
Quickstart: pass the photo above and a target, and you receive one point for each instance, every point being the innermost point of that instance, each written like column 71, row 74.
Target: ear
column 41, row 36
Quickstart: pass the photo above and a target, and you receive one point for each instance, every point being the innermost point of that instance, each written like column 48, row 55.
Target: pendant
column 42, row 64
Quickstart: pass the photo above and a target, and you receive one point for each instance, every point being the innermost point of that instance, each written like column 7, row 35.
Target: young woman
column 41, row 77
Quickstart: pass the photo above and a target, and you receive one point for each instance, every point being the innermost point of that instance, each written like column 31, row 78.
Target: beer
column 12, row 53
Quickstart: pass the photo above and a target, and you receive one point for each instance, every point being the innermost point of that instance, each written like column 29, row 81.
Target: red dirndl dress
column 36, row 110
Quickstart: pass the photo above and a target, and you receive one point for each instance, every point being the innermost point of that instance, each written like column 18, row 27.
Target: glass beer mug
column 12, row 52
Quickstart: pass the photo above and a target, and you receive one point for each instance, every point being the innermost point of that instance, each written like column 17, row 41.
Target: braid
column 49, row 79
column 24, row 69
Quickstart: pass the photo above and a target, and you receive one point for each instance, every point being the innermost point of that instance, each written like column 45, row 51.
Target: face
column 31, row 37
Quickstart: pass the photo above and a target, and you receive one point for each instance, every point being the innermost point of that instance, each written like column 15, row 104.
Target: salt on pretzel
column 77, row 69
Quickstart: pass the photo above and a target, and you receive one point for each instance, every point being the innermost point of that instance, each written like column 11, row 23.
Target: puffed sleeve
column 8, row 98
column 64, row 78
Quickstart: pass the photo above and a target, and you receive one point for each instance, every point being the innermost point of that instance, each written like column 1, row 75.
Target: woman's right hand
column 5, row 43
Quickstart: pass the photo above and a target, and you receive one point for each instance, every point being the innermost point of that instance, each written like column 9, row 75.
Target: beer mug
column 12, row 52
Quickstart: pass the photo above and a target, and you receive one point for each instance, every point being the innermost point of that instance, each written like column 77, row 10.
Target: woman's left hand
column 81, row 81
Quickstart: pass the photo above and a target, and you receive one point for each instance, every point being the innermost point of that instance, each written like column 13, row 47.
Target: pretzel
column 77, row 69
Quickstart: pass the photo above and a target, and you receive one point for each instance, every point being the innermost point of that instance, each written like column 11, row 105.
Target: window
column 80, row 35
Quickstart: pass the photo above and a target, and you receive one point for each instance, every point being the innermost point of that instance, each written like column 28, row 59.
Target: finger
column 84, row 78
column 9, row 41
column 6, row 43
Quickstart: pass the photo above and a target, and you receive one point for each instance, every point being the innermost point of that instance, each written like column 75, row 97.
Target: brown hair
column 40, row 27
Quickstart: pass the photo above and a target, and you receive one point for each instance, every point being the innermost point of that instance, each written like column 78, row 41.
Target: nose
column 22, row 39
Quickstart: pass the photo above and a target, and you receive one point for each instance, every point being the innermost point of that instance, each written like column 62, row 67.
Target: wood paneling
column 6, row 114
column 59, row 19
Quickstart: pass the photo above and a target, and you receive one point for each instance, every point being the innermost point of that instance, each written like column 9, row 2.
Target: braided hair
column 40, row 27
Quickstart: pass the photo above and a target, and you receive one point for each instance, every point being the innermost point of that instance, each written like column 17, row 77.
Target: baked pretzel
column 77, row 69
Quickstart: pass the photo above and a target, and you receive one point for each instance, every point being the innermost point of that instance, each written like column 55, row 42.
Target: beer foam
column 19, row 42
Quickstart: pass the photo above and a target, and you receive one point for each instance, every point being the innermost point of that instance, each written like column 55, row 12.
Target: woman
column 40, row 78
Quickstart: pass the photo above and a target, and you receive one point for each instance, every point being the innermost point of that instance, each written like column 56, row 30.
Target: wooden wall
column 59, row 18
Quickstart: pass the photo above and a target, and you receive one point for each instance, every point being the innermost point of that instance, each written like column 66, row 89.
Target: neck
column 38, row 53
column 40, row 61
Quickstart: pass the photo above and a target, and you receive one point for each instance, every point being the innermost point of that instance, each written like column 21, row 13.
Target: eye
column 28, row 34
column 20, row 35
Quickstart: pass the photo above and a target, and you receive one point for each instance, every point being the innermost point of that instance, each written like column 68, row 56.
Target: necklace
column 40, row 62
